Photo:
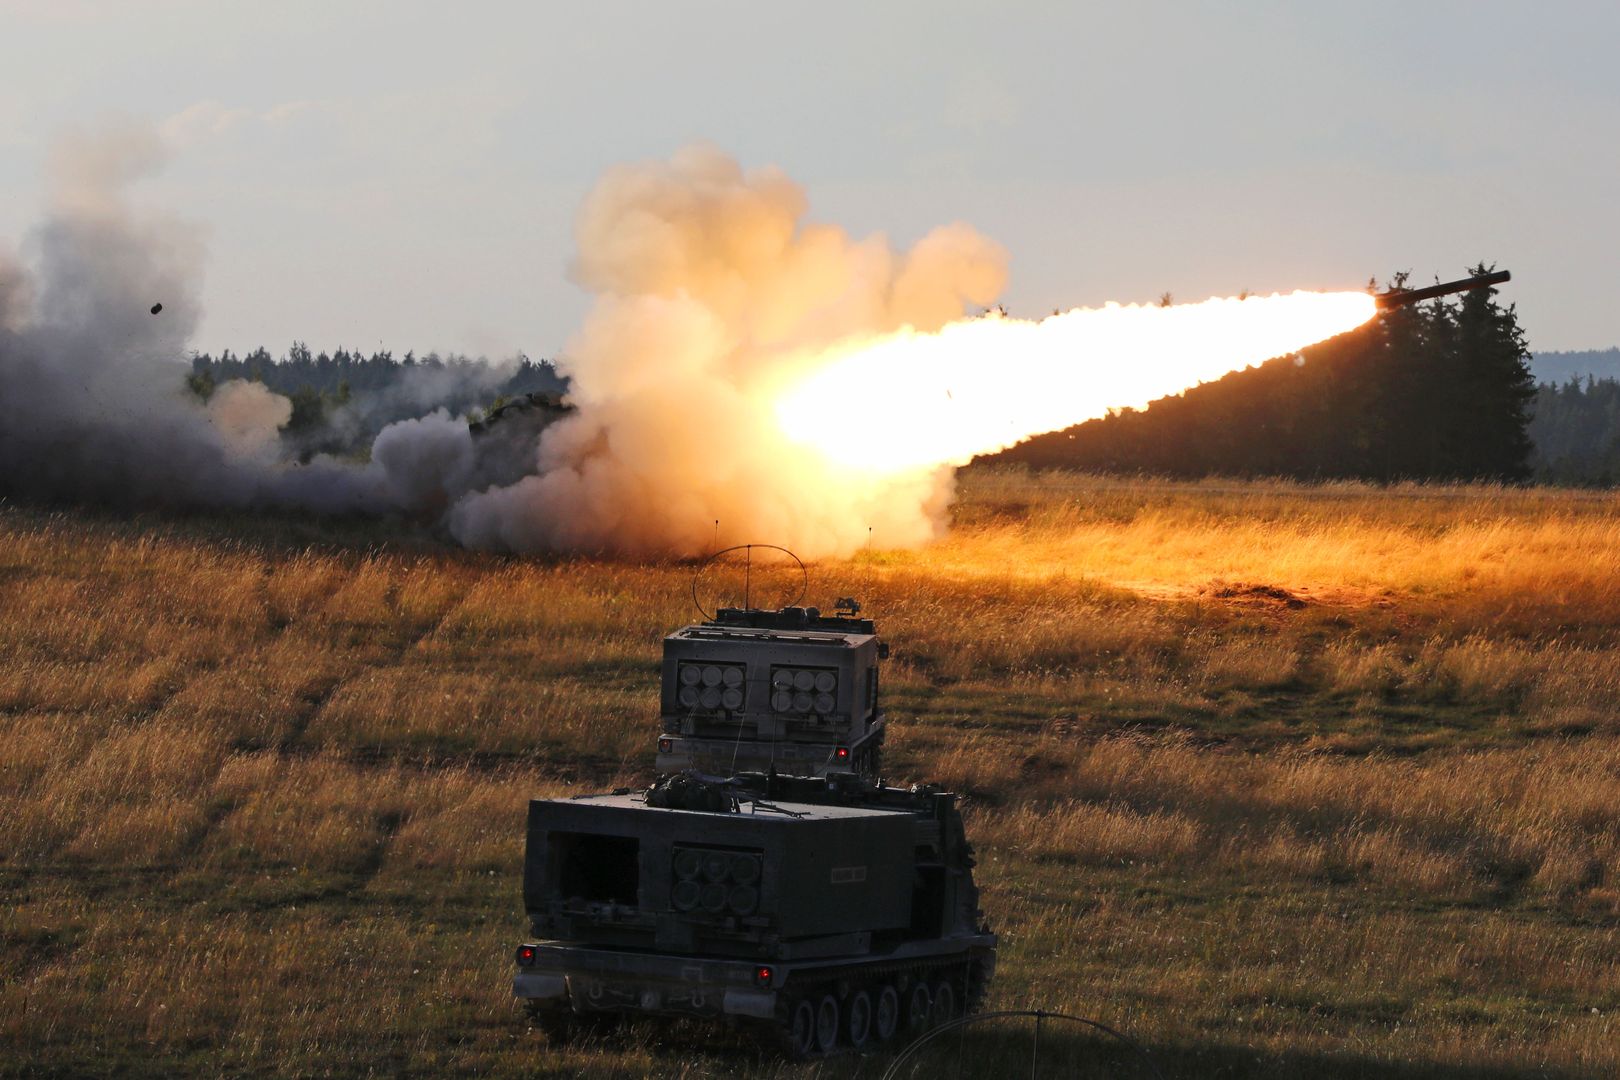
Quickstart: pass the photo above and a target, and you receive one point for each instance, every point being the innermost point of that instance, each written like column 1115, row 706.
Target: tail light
column 665, row 745
column 525, row 955
column 842, row 753
column 762, row 975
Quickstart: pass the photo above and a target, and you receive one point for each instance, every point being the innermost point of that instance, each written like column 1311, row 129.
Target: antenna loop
column 697, row 575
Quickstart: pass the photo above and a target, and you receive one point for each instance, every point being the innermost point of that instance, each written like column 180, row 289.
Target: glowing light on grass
column 919, row 400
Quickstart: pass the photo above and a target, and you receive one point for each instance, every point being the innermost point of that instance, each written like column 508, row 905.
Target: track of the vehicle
column 928, row 992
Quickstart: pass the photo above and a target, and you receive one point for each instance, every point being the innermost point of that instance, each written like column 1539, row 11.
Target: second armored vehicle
column 790, row 691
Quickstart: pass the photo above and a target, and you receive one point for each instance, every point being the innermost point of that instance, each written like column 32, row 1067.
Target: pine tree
column 1494, row 385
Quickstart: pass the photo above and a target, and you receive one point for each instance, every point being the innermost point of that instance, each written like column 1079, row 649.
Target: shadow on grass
column 275, row 533
column 267, row 532
column 686, row 1050
column 1013, row 1052
column 1010, row 1052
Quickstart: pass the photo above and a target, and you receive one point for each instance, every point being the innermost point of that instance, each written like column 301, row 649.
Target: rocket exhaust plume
column 913, row 400
column 740, row 365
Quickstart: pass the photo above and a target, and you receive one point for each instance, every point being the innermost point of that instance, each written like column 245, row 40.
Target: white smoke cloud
column 711, row 289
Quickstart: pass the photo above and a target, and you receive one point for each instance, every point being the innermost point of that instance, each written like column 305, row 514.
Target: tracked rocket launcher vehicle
column 799, row 898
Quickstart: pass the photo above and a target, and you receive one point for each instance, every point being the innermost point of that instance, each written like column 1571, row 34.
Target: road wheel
column 944, row 1009
column 918, row 1004
column 801, row 1033
column 827, row 1024
column 886, row 1017
column 858, row 1019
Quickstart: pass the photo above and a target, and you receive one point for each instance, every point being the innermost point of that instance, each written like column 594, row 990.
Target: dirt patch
column 1256, row 595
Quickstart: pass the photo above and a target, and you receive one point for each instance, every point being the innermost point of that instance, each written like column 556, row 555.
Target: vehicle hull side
column 586, row 980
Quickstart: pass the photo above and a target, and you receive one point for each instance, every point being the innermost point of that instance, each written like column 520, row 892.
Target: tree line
column 1576, row 432
column 1440, row 390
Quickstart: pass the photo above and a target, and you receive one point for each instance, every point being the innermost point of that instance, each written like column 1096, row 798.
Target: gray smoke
column 426, row 462
column 410, row 393
column 85, row 368
column 93, row 401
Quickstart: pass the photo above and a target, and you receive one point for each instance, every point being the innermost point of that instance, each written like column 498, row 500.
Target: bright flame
column 919, row 400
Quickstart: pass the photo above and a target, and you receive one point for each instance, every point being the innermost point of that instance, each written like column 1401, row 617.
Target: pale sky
column 407, row 174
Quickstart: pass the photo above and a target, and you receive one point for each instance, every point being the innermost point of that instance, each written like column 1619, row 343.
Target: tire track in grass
column 292, row 744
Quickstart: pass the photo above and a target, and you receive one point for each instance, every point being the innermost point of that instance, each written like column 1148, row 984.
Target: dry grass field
column 1283, row 780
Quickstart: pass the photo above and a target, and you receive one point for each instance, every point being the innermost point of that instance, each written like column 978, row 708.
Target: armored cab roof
column 790, row 618
column 794, row 811
column 711, row 632
column 792, row 624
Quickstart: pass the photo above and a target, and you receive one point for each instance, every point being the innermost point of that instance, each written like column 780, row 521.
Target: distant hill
column 1560, row 367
